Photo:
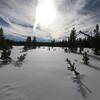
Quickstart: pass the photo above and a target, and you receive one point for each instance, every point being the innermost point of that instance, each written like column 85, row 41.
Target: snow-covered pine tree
column 85, row 58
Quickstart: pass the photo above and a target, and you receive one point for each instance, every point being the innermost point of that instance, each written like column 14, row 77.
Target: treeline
column 91, row 40
column 73, row 42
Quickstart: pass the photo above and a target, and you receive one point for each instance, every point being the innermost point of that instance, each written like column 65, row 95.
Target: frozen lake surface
column 43, row 75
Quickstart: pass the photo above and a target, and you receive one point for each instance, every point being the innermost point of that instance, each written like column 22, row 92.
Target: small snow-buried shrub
column 72, row 67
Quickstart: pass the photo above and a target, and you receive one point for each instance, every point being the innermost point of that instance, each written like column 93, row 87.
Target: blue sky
column 20, row 15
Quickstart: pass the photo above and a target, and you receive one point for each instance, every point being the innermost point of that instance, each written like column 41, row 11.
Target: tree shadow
column 95, row 57
column 81, row 87
column 94, row 67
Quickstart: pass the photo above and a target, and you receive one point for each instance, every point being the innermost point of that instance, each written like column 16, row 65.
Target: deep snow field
column 43, row 75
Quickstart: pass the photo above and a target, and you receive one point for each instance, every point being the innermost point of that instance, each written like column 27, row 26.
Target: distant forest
column 73, row 42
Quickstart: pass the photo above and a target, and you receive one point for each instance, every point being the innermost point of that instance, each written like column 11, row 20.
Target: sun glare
column 45, row 13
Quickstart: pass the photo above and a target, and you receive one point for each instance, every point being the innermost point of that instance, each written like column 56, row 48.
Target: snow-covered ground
column 43, row 75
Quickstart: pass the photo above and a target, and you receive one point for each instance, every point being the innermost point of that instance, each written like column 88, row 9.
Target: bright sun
column 45, row 13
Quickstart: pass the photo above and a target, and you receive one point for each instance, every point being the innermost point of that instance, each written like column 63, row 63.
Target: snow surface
column 44, row 76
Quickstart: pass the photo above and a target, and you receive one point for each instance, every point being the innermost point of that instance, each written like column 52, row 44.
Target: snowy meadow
column 42, row 74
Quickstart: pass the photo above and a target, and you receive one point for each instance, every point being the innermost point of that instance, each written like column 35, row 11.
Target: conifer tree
column 28, row 40
column 1, row 33
column 72, row 40
column 85, row 58
column 96, row 40
column 34, row 39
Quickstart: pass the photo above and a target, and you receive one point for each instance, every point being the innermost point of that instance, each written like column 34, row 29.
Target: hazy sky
column 21, row 17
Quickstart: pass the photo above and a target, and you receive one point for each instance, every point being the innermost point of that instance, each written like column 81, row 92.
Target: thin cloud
column 20, row 15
